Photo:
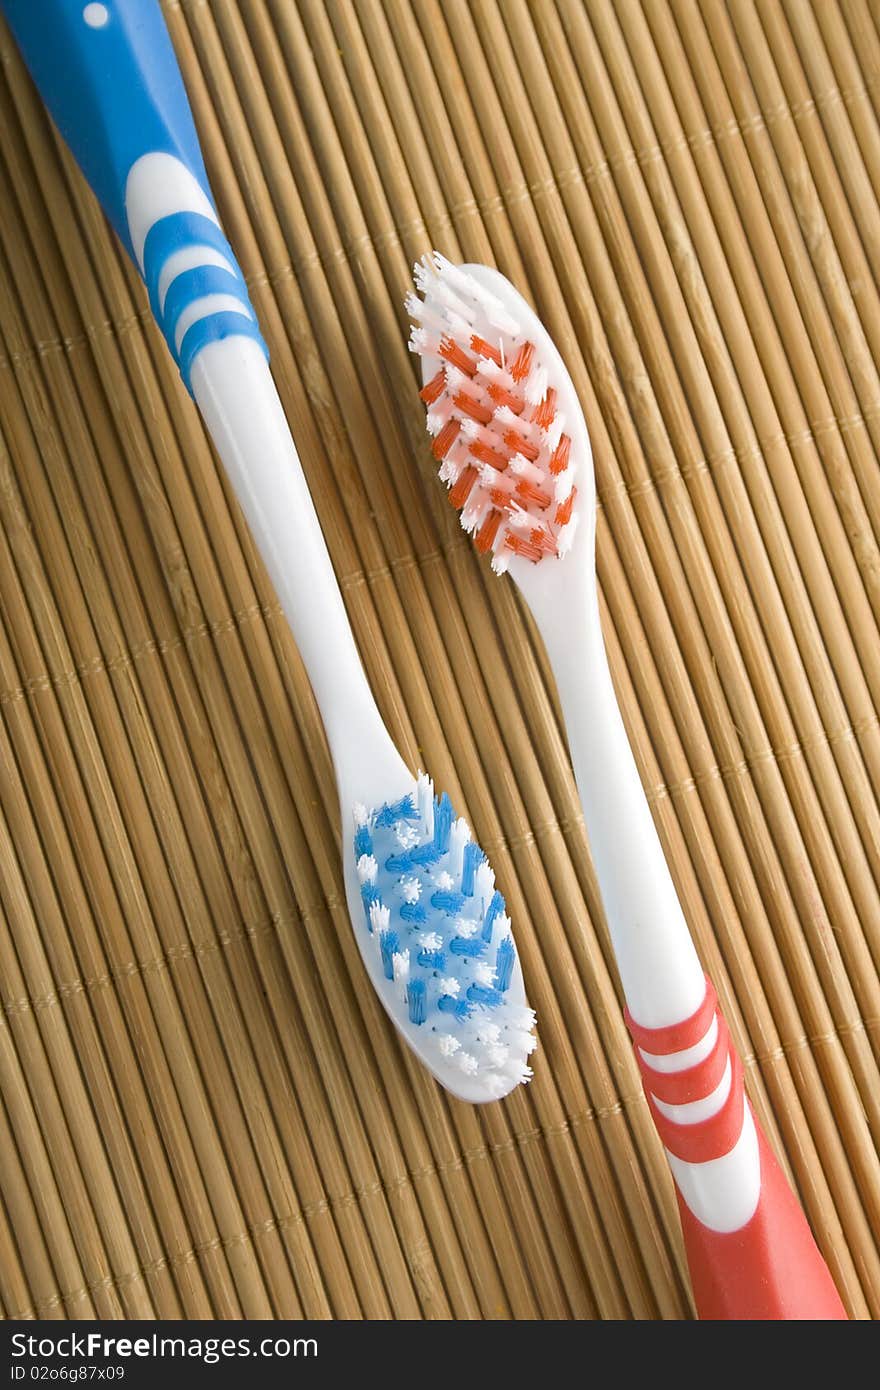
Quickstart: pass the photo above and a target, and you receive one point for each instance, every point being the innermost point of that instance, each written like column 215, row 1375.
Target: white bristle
column 444, row 881
column 520, row 1041
column 524, row 468
column 468, row 1063
column 470, row 428
column 467, row 287
column 406, row 835
column 501, row 560
column 437, row 416
column 506, row 419
column 484, row 882
column 410, row 890
column 536, row 385
column 487, row 1032
column 494, row 1084
column 423, row 343
column 563, row 485
column 459, row 836
column 488, row 367
column 450, row 986
column 518, row 1071
column 380, row 917
column 455, row 278
column 400, row 967
column 521, row 520
column 454, row 307
column 447, row 1044
column 360, row 814
column 497, row 1055
column 490, row 477
column 473, row 514
column 452, row 465
column 553, row 432
column 467, row 928
column 367, row 869
column 430, row 941
column 425, row 800
column 484, row 973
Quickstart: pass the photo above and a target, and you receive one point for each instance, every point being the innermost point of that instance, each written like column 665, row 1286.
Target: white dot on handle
column 96, row 16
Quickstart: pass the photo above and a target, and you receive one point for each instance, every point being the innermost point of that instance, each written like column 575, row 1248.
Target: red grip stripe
column 712, row 1138
column 678, row 1036
column 693, row 1083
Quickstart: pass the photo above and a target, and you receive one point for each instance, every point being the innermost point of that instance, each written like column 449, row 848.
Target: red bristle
column 468, row 406
column 485, row 454
column 521, row 445
column 522, row 363
column 484, row 349
column 563, row 511
column 543, row 414
column 521, row 546
column 530, row 493
column 501, row 396
column 446, row 438
column 433, row 390
column 461, row 488
column 453, row 352
column 559, row 461
column 501, row 499
column 485, row 537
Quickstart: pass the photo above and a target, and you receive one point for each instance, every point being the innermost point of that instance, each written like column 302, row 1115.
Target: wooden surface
column 204, row 1112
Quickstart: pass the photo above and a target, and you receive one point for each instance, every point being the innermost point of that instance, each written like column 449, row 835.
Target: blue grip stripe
column 227, row 324
column 191, row 285
column 171, row 234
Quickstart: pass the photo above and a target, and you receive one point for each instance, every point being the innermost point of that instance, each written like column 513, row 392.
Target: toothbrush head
column 437, row 942
column 508, row 431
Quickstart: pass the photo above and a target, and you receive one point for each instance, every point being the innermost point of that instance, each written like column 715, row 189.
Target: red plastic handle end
column 770, row 1269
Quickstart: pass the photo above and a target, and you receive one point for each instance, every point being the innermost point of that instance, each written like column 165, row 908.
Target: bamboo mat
column 203, row 1110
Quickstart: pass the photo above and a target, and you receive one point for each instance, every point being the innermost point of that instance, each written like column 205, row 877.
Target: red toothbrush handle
column 770, row 1268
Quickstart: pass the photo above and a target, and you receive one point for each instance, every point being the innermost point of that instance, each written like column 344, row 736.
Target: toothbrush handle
column 764, row 1267
column 109, row 76
column 750, row 1249
column 114, row 89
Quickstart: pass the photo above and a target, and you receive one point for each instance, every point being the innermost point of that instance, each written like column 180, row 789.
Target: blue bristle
column 484, row 994
column 399, row 863
column 443, row 814
column 416, row 1001
column 450, row 902
column 388, row 944
column 493, row 911
column 425, row 854
column 409, row 882
column 504, row 963
column 431, row 960
column 369, row 895
column 414, row 912
column 473, row 858
column 459, row 1008
column 467, row 946
column 403, row 809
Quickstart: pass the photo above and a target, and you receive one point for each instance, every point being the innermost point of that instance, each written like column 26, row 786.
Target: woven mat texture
column 204, row 1112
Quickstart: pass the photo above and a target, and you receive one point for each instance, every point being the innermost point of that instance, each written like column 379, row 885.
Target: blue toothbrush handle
column 109, row 76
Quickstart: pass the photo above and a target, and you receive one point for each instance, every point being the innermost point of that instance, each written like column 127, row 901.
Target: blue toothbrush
column 431, row 925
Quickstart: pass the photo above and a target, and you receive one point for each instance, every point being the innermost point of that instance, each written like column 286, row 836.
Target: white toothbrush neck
column 662, row 978
column 235, row 391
